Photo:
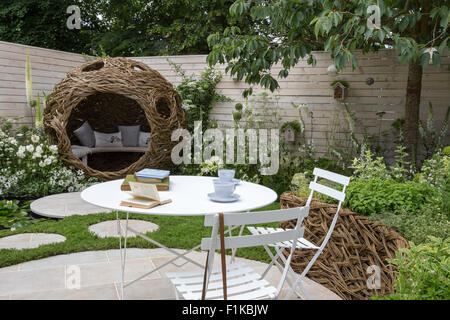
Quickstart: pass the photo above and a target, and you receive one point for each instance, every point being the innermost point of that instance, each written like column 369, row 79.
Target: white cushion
column 144, row 139
column 108, row 139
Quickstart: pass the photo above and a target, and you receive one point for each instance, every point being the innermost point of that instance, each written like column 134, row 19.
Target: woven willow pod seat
column 109, row 92
column 356, row 243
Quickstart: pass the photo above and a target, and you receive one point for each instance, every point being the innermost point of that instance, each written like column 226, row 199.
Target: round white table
column 189, row 196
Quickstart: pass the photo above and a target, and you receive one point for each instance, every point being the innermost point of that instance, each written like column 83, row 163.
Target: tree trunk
column 412, row 108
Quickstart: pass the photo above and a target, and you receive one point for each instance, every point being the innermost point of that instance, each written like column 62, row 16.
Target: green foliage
column 13, row 214
column 435, row 171
column 401, row 170
column 42, row 23
column 423, row 271
column 295, row 125
column 122, row 28
column 286, row 31
column 368, row 167
column 428, row 221
column 433, row 141
column 446, row 151
column 162, row 27
column 370, row 196
column 300, row 186
column 198, row 95
column 35, row 104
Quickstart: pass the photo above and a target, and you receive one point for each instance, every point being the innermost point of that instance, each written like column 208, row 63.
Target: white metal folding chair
column 241, row 281
column 302, row 243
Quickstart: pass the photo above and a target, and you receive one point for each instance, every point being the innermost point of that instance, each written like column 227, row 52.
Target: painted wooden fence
column 375, row 106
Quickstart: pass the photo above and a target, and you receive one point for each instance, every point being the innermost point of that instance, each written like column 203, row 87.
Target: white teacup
column 226, row 175
column 223, row 189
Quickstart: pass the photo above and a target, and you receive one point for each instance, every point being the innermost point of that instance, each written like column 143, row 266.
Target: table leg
column 122, row 252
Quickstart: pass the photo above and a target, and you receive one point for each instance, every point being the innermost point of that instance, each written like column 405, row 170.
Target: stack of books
column 159, row 178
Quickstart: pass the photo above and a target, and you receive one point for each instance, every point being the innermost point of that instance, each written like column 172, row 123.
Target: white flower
column 39, row 149
column 47, row 161
column 13, row 141
column 36, row 155
column 41, row 164
column 53, row 148
column 30, row 148
column 215, row 159
column 34, row 138
column 21, row 154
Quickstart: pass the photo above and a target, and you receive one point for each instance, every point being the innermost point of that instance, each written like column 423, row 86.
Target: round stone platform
column 29, row 240
column 63, row 205
column 109, row 228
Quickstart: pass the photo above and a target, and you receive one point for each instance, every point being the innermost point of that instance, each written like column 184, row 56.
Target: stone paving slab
column 63, row 205
column 100, row 276
column 103, row 292
column 29, row 240
column 109, row 228
column 64, row 259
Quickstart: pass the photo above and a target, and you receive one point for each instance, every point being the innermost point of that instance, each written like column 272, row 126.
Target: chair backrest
column 333, row 193
column 249, row 218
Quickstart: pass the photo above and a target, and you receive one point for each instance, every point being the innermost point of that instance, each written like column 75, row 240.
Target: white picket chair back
column 233, row 242
column 333, row 193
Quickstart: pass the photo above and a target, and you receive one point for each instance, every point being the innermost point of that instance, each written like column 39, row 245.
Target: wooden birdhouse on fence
column 340, row 90
column 289, row 134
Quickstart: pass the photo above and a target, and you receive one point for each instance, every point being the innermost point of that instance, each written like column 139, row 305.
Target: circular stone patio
column 29, row 240
column 99, row 276
column 109, row 228
column 63, row 205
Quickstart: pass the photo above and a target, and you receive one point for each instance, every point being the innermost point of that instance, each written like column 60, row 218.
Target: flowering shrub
column 30, row 166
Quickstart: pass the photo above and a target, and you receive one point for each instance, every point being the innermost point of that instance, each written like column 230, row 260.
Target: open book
column 143, row 196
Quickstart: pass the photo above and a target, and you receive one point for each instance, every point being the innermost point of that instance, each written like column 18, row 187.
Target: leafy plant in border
column 13, row 214
column 423, row 271
column 371, row 196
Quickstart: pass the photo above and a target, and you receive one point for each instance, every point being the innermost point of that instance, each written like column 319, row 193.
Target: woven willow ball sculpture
column 355, row 244
column 109, row 92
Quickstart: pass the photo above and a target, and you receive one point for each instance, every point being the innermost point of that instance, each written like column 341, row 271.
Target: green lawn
column 173, row 232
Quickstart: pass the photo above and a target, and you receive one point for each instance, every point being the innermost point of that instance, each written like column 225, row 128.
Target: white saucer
column 214, row 197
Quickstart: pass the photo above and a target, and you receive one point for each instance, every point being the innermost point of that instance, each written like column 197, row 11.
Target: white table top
column 189, row 196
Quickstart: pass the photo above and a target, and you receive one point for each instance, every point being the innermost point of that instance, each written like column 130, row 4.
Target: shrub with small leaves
column 370, row 196
column 428, row 221
column 423, row 271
